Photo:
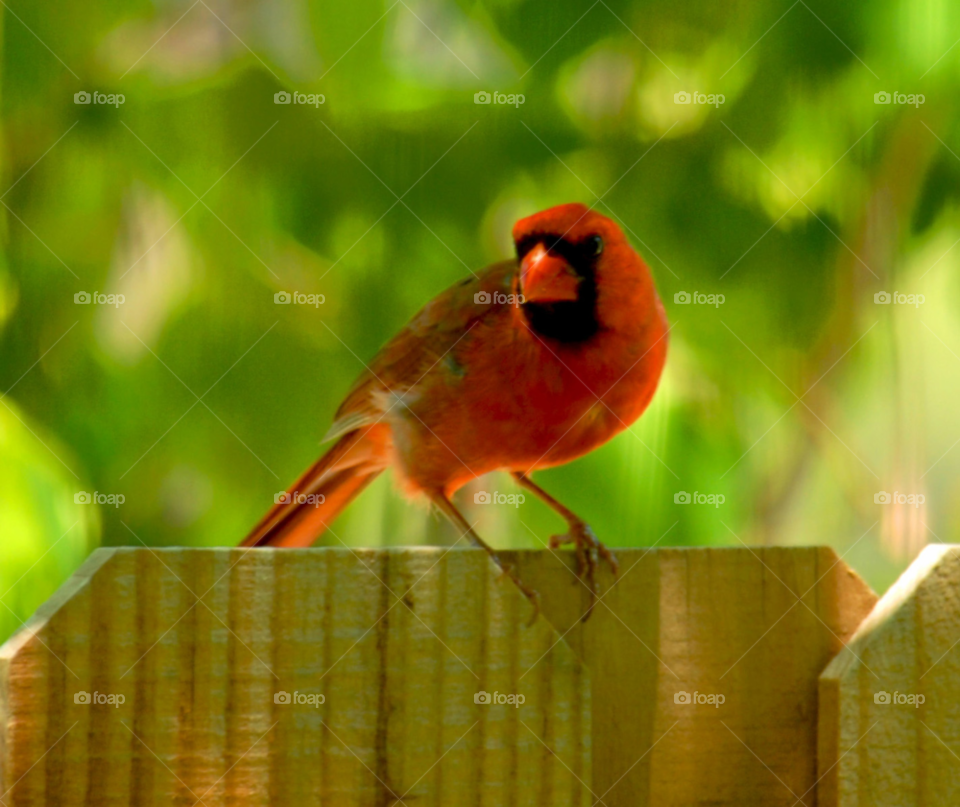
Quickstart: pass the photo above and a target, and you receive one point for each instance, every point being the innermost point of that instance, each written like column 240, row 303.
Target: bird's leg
column 449, row 509
column 589, row 549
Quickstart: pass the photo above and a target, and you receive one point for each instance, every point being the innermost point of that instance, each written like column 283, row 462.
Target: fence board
column 199, row 643
column 875, row 751
column 755, row 625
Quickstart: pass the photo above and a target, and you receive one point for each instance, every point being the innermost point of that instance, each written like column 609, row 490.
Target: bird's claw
column 589, row 553
column 529, row 593
column 534, row 597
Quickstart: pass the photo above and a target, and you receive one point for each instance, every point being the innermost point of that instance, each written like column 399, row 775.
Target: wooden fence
column 413, row 676
column 890, row 700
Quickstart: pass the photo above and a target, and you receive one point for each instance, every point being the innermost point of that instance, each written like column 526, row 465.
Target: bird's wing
column 421, row 345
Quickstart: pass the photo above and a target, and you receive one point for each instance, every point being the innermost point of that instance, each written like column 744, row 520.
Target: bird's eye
column 596, row 245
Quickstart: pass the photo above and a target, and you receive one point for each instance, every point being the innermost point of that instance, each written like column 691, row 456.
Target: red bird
column 530, row 364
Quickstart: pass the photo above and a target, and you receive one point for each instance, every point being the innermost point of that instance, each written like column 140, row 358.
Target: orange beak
column 547, row 278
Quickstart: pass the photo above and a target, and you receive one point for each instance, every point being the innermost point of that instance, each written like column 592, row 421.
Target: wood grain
column 755, row 625
column 873, row 750
column 398, row 642
column 199, row 643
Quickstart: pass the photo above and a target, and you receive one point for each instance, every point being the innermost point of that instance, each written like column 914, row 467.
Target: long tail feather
column 321, row 494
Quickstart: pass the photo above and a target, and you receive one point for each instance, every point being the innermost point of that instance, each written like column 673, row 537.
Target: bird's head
column 577, row 272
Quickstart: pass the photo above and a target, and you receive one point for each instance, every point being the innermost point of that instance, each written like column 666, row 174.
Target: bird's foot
column 589, row 553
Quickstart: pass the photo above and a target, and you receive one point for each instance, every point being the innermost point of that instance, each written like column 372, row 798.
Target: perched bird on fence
column 529, row 364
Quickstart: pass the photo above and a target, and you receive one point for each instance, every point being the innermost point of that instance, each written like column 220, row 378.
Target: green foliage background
column 797, row 199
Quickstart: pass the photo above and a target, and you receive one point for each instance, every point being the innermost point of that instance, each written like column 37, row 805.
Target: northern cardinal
column 530, row 364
